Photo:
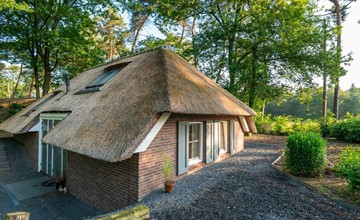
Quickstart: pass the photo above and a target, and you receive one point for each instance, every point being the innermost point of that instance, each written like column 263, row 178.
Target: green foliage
column 15, row 108
column 168, row 169
column 347, row 130
column 305, row 154
column 285, row 125
column 348, row 166
column 309, row 105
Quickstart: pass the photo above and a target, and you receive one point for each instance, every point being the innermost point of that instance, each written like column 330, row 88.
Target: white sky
column 350, row 43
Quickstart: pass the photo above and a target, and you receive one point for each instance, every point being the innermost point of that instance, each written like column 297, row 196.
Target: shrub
column 15, row 108
column 347, row 130
column 348, row 167
column 285, row 125
column 305, row 154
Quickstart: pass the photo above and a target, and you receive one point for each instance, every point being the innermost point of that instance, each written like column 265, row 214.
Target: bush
column 348, row 167
column 285, row 125
column 305, row 154
column 15, row 108
column 347, row 130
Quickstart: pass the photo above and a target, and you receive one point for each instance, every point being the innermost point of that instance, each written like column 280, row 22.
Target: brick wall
column 110, row 186
column 150, row 161
column 104, row 185
column 30, row 141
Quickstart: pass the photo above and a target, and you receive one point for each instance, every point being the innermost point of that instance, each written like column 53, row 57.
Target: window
column 190, row 145
column 194, row 147
column 217, row 137
column 223, row 137
column 103, row 78
column 42, row 103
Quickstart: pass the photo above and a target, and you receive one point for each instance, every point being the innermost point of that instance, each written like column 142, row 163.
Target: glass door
column 53, row 159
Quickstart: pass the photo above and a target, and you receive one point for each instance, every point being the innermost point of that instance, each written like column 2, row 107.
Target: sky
column 350, row 43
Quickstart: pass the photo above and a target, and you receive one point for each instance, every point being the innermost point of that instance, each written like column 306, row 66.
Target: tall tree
column 112, row 33
column 51, row 32
column 340, row 12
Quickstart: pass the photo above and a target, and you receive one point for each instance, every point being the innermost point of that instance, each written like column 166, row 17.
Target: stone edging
column 338, row 201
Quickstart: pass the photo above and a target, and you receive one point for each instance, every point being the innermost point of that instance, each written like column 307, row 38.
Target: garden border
column 338, row 201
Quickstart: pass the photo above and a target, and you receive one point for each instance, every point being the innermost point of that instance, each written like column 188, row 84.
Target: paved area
column 54, row 205
column 30, row 188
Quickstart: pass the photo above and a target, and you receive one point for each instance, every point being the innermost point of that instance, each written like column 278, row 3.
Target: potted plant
column 59, row 180
column 168, row 174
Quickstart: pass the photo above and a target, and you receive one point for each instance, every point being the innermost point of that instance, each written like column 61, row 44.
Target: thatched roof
column 111, row 123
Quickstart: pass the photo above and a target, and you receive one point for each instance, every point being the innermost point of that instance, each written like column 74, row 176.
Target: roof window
column 108, row 74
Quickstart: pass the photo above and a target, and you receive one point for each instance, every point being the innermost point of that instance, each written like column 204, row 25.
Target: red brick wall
column 104, row 185
column 110, row 186
column 30, row 140
column 150, row 161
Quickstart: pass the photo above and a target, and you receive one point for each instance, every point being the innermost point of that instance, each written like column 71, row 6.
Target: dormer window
column 108, row 74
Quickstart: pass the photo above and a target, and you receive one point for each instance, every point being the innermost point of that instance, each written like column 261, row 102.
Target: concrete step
column 4, row 170
column 3, row 158
column 2, row 147
column 4, row 164
column 2, row 152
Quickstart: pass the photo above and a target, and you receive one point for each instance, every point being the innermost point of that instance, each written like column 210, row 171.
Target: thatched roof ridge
column 110, row 124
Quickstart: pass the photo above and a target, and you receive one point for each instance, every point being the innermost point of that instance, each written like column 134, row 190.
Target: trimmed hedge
column 305, row 154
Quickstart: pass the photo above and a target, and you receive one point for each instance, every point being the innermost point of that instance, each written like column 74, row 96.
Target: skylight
column 102, row 79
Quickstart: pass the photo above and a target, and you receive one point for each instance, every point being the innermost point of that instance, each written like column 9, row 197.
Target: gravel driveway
column 244, row 186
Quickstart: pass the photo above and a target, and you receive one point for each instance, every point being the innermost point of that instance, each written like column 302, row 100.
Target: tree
column 12, row 5
column 340, row 14
column 112, row 33
column 140, row 13
column 52, row 33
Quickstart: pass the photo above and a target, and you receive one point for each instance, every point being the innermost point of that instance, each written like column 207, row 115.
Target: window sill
column 194, row 161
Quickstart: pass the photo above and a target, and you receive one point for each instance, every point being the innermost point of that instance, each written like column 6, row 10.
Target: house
column 110, row 131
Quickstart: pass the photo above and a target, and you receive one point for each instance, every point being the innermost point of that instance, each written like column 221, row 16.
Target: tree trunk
column 17, row 81
column 231, row 67
column 37, row 82
column 338, row 46
column 192, row 40
column 183, row 25
column 263, row 111
column 252, row 90
column 47, row 72
column 141, row 25
column 31, row 86
column 324, row 101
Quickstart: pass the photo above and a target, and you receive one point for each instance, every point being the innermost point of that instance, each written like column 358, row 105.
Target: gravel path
column 244, row 186
column 54, row 205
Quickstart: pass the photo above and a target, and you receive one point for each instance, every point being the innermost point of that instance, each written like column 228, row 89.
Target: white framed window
column 223, row 134
column 190, row 145
column 195, row 142
column 217, row 139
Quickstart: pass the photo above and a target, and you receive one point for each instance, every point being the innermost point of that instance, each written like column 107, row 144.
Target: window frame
column 106, row 75
column 199, row 159
column 226, row 150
